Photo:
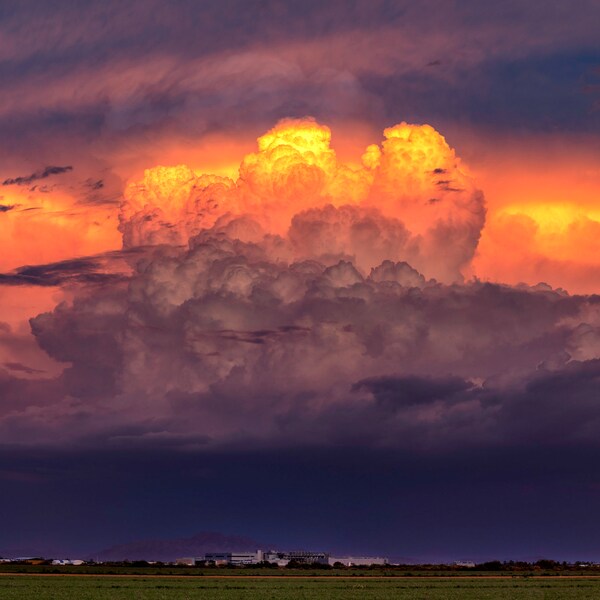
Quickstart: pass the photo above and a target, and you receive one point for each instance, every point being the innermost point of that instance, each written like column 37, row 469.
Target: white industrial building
column 300, row 556
column 234, row 558
column 358, row 561
column 272, row 556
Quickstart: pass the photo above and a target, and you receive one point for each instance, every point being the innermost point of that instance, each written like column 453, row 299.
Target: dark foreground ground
column 27, row 586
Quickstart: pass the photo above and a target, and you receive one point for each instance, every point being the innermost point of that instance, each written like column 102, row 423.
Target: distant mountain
column 169, row 550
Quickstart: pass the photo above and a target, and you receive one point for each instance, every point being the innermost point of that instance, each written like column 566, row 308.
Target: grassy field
column 183, row 571
column 30, row 587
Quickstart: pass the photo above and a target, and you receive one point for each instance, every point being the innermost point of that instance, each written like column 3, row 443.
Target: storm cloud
column 212, row 345
column 312, row 304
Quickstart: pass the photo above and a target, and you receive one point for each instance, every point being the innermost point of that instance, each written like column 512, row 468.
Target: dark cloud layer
column 45, row 173
column 528, row 502
column 109, row 267
column 67, row 271
column 19, row 367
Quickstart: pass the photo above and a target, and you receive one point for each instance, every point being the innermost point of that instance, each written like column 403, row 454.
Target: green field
column 250, row 571
column 28, row 587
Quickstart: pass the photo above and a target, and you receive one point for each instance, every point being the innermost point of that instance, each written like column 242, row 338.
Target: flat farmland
column 100, row 587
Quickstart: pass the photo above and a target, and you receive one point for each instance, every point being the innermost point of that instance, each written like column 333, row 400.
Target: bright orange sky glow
column 542, row 222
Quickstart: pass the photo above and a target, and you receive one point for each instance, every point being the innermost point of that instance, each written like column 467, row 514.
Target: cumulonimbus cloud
column 311, row 302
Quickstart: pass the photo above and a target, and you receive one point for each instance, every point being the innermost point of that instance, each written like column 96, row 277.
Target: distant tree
column 492, row 565
column 547, row 564
column 139, row 563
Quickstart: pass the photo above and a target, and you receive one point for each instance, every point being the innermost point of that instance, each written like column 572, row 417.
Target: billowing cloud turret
column 409, row 201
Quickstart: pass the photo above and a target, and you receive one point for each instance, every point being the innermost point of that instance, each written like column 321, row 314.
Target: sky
column 321, row 274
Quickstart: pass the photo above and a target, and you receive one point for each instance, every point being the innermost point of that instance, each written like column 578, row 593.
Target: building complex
column 282, row 559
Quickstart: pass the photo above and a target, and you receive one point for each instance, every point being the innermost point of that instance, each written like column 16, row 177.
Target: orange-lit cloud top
column 543, row 220
column 556, row 244
column 409, row 200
